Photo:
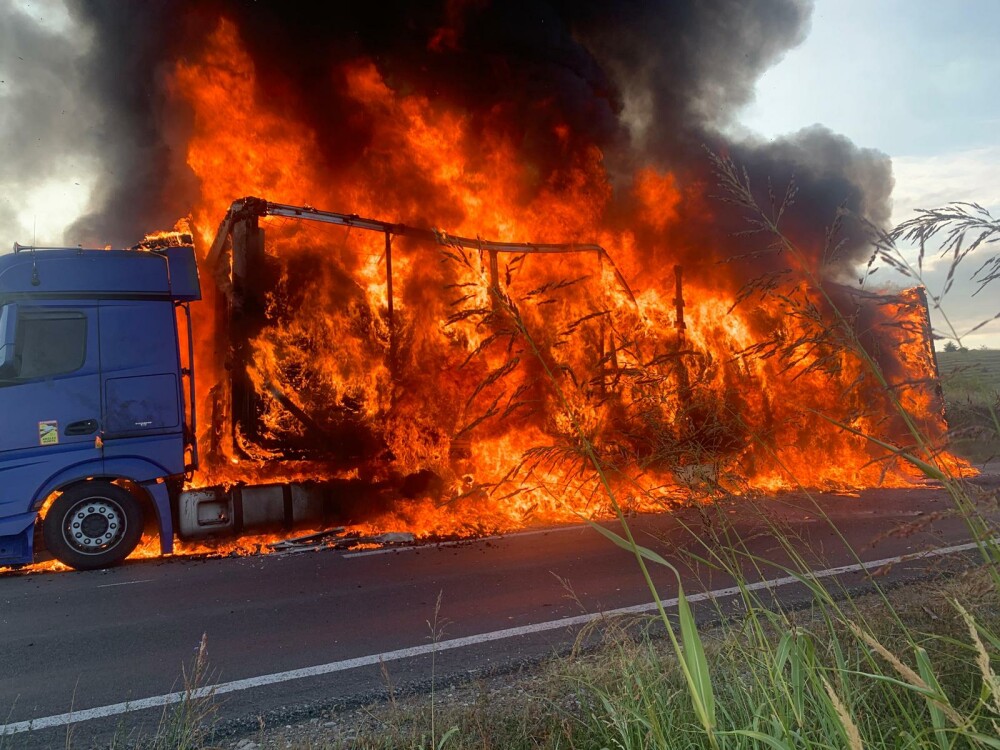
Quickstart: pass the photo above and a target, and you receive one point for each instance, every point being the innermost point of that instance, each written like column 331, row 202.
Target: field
column 971, row 384
column 971, row 376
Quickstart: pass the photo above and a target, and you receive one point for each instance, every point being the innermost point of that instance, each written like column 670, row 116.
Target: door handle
column 85, row 427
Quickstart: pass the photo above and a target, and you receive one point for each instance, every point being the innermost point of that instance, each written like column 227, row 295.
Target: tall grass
column 784, row 683
column 187, row 724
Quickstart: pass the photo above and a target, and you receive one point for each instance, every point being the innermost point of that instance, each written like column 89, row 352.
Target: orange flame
column 500, row 395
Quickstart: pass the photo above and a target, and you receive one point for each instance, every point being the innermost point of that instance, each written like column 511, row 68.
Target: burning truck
column 482, row 394
column 340, row 370
column 95, row 357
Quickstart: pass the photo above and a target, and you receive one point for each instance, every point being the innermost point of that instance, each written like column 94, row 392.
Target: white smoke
column 49, row 127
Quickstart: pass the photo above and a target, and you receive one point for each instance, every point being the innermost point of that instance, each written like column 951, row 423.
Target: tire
column 93, row 525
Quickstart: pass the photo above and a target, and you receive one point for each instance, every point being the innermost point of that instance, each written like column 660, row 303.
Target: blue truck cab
column 96, row 406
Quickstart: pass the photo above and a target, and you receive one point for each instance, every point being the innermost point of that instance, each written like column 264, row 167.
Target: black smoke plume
column 650, row 82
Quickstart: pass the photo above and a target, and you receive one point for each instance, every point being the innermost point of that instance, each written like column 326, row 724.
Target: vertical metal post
column 683, row 381
column 926, row 330
column 680, row 325
column 494, row 279
column 926, row 334
column 612, row 346
column 220, row 392
column 246, row 310
column 494, row 270
column 238, row 381
column 390, row 311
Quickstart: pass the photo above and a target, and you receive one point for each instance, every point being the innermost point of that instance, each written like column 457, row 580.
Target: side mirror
column 8, row 337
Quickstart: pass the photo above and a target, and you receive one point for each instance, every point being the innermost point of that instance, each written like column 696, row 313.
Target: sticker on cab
column 48, row 432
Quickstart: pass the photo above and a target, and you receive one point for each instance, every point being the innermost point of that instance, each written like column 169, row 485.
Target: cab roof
column 168, row 273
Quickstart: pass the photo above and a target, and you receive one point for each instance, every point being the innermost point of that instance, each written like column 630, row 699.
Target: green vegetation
column 972, row 375
column 970, row 380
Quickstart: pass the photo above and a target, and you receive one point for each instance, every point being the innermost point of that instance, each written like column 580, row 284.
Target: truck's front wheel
column 93, row 525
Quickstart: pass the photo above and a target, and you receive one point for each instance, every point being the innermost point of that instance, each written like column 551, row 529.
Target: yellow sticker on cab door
column 48, row 432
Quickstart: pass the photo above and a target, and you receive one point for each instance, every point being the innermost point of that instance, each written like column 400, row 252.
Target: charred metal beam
column 434, row 235
column 243, row 315
column 294, row 409
column 680, row 325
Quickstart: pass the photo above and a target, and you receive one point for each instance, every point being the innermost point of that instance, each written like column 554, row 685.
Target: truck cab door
column 140, row 370
column 50, row 397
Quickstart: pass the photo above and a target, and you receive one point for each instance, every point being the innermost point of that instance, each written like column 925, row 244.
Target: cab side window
column 50, row 343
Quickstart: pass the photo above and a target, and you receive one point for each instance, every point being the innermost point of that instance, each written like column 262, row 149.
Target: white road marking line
column 459, row 542
column 116, row 709
column 123, row 583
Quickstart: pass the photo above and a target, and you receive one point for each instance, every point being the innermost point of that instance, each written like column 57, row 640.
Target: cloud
column 933, row 181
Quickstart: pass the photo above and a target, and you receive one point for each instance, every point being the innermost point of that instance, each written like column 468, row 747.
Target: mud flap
column 164, row 517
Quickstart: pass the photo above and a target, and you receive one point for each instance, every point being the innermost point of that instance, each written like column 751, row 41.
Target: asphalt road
column 289, row 635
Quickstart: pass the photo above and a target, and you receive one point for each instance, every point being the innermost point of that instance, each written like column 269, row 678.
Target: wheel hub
column 94, row 524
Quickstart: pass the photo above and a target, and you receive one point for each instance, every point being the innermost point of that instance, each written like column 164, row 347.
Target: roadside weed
column 187, row 724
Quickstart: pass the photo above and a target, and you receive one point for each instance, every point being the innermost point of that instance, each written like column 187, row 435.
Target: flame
column 505, row 387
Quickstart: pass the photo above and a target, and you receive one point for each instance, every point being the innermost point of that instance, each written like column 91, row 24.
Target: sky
column 913, row 78
column 916, row 79
column 39, row 204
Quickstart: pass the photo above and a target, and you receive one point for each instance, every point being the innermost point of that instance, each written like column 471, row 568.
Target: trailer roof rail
column 435, row 235
column 252, row 207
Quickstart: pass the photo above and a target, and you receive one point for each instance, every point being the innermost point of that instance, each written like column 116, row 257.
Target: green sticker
column 48, row 432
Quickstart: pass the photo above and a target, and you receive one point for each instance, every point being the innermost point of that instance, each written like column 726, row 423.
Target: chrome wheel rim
column 94, row 525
